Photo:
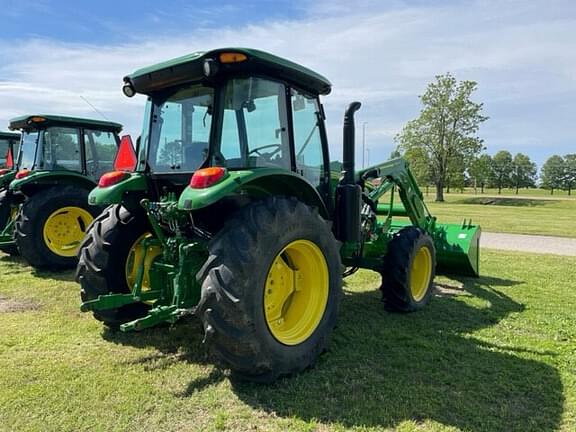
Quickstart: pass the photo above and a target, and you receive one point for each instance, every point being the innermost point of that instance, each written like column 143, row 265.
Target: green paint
column 114, row 194
column 57, row 177
column 25, row 122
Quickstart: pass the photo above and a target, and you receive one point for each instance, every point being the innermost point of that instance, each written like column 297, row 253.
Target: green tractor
column 59, row 162
column 8, row 148
column 232, row 215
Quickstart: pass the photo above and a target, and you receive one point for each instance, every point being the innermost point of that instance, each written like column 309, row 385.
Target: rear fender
column 114, row 194
column 257, row 183
column 38, row 180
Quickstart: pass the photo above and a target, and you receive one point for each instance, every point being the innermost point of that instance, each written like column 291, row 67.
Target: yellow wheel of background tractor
column 51, row 224
column 64, row 229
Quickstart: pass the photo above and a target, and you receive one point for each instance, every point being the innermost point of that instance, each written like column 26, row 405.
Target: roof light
column 23, row 173
column 232, row 57
column 37, row 119
column 207, row 177
column 112, row 178
column 128, row 89
column 126, row 157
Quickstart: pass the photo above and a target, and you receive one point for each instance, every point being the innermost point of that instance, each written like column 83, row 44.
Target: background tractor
column 233, row 215
column 59, row 162
column 8, row 151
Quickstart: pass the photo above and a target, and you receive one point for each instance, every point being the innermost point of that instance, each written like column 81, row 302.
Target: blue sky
column 382, row 53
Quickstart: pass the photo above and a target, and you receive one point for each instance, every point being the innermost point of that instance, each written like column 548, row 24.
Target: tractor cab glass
column 60, row 149
column 101, row 150
column 179, row 134
column 28, row 147
column 255, row 125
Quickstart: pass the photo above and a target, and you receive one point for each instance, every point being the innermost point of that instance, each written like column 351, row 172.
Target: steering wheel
column 256, row 150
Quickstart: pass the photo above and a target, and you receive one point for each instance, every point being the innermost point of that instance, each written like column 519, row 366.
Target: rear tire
column 40, row 208
column 102, row 261
column 408, row 271
column 236, row 280
column 5, row 216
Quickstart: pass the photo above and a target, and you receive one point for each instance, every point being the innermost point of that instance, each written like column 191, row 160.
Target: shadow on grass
column 505, row 201
column 383, row 369
column 17, row 264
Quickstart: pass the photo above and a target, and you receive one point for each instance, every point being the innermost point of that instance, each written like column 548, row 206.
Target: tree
column 570, row 172
column 419, row 165
column 502, row 165
column 523, row 172
column 553, row 173
column 446, row 130
column 481, row 171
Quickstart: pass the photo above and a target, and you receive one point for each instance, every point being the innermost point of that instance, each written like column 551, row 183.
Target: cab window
column 254, row 129
column 307, row 138
column 61, row 149
column 101, row 148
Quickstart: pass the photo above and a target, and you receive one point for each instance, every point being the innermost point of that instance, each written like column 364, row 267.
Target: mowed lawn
column 491, row 354
column 530, row 213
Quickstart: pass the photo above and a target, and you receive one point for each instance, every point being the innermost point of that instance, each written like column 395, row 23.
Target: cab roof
column 41, row 121
column 9, row 135
column 190, row 67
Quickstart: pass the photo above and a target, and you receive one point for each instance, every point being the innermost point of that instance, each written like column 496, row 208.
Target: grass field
column 507, row 213
column 491, row 354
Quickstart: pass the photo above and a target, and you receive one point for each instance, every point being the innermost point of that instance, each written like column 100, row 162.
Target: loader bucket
column 457, row 249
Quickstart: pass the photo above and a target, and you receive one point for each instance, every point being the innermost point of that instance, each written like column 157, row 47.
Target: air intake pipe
column 348, row 192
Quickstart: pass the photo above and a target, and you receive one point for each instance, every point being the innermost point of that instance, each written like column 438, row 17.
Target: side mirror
column 126, row 157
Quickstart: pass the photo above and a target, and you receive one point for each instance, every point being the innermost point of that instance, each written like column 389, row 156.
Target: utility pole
column 364, row 144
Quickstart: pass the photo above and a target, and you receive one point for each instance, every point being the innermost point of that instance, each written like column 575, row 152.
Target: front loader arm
column 396, row 173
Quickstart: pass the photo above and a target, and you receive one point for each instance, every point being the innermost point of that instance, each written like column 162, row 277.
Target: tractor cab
column 66, row 144
column 44, row 212
column 236, row 110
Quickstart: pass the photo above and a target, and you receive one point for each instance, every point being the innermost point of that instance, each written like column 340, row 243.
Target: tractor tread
column 32, row 211
column 396, row 270
column 97, row 271
column 229, row 278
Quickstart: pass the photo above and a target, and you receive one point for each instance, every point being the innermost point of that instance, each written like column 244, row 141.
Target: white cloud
column 520, row 54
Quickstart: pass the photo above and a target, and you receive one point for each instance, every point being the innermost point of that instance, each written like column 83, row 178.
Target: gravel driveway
column 529, row 243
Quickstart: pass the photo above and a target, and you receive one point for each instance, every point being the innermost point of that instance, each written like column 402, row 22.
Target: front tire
column 107, row 263
column 51, row 225
column 270, row 290
column 408, row 271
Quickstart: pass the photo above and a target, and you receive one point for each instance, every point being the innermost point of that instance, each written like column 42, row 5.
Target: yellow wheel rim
column 296, row 292
column 420, row 273
column 135, row 258
column 64, row 230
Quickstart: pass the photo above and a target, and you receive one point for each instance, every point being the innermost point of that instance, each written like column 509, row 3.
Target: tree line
column 444, row 149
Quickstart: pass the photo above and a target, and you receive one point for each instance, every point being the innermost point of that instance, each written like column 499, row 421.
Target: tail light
column 112, row 178
column 4, row 171
column 207, row 177
column 23, row 173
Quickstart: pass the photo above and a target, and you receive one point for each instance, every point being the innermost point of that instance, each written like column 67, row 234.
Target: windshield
column 180, row 130
column 27, row 156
